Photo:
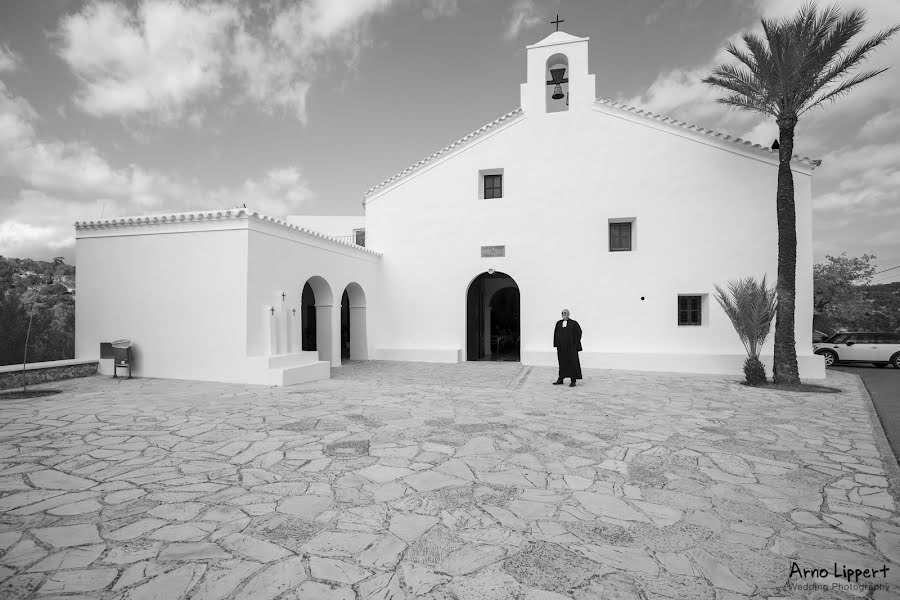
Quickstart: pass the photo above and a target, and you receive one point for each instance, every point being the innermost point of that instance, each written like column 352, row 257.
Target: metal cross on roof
column 557, row 21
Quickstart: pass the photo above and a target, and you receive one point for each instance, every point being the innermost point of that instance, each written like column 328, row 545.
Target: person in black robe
column 567, row 341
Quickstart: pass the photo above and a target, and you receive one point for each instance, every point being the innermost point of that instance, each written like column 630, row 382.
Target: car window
column 887, row 338
column 839, row 338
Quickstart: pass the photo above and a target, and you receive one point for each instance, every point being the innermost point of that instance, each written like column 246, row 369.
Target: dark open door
column 475, row 320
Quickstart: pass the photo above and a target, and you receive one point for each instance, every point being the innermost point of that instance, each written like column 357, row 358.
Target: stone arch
column 354, row 339
column 561, row 89
column 483, row 338
column 317, row 310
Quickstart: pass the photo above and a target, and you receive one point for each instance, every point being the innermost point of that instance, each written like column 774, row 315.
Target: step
column 320, row 369
column 293, row 359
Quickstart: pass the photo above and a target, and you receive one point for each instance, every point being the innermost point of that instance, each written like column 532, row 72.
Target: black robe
column 567, row 341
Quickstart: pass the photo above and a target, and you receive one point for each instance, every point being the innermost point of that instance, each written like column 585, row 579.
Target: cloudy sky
column 124, row 108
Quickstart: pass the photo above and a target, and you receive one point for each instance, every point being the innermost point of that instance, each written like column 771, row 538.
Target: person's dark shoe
column 572, row 384
column 558, row 382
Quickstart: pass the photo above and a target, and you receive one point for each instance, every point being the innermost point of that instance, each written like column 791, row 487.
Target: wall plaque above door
column 493, row 251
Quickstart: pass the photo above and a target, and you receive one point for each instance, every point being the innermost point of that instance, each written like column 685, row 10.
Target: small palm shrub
column 751, row 306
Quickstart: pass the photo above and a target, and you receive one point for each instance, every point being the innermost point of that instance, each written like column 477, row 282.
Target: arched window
column 557, row 92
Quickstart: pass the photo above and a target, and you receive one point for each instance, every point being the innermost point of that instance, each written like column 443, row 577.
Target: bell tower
column 557, row 76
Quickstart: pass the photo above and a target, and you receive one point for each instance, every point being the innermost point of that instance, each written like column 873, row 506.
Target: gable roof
column 457, row 144
column 598, row 103
column 711, row 133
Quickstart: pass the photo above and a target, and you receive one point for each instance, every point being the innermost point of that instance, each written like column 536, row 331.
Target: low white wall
column 435, row 355
column 50, row 364
column 811, row 366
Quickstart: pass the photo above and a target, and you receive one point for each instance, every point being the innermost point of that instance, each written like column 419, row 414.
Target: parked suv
column 880, row 349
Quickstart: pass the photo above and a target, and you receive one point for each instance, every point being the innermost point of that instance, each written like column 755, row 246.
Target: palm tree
column 59, row 260
column 801, row 63
column 750, row 305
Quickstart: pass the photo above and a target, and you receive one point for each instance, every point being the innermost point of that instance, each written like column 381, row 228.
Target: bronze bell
column 557, row 75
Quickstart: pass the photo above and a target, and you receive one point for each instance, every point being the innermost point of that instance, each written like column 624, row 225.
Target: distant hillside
column 45, row 289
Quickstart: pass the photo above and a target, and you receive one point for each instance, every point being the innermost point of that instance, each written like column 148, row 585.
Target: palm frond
column 735, row 79
column 843, row 88
column 750, row 306
column 831, row 37
column 740, row 102
column 798, row 63
column 843, row 66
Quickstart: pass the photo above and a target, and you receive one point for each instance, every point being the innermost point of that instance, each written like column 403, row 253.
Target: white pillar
column 278, row 301
column 325, row 334
column 270, row 331
column 294, row 326
column 358, row 339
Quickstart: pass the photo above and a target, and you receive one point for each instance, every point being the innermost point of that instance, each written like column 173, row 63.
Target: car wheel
column 895, row 360
column 830, row 357
column 881, row 365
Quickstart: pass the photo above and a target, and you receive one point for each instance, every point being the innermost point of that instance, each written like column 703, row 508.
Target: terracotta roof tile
column 210, row 215
column 599, row 101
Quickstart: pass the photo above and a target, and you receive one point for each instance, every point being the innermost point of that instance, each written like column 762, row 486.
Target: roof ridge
column 484, row 128
column 708, row 132
column 211, row 215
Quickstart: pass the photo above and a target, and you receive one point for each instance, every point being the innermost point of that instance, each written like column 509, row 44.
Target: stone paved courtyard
column 479, row 480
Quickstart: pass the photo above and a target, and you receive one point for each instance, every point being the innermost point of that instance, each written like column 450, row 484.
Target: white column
column 278, row 298
column 270, row 331
column 294, row 322
column 358, row 339
column 325, row 334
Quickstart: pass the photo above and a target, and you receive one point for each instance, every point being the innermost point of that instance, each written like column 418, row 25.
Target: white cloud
column 440, row 8
column 882, row 125
column 863, row 179
column 668, row 5
column 52, row 163
column 153, row 62
column 312, row 26
column 525, row 15
column 270, row 75
column 160, row 59
column 76, row 169
column 9, row 60
column 280, row 192
column 39, row 226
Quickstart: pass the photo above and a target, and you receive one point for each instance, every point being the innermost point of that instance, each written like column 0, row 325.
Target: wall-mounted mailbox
column 121, row 356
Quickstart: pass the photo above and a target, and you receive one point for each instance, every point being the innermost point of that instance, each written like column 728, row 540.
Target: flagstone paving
column 404, row 480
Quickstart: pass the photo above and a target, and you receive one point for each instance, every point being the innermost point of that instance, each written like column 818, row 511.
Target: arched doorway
column 316, row 304
column 493, row 328
column 354, row 344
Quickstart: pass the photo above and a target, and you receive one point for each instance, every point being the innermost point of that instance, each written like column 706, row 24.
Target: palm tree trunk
column 25, row 357
column 785, row 359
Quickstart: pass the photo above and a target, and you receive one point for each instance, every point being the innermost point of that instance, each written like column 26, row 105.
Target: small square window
column 493, row 186
column 619, row 237
column 359, row 237
column 689, row 310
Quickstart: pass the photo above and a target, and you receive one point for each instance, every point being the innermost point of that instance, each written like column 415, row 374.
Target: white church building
column 626, row 218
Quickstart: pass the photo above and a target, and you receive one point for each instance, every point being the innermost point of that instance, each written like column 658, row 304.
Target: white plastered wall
column 180, row 296
column 704, row 214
